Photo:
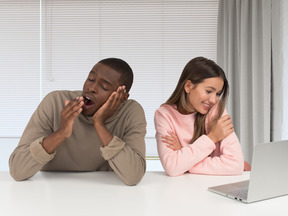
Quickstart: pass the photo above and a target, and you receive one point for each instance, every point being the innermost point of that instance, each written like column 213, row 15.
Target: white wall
column 7, row 145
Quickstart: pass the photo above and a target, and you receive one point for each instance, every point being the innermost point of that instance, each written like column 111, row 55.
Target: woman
column 193, row 131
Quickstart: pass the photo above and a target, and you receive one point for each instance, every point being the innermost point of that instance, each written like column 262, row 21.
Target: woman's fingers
column 172, row 141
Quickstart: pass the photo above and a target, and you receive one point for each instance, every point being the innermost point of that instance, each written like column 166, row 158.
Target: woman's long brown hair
column 197, row 70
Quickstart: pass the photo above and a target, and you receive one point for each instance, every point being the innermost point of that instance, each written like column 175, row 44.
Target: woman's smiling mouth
column 207, row 106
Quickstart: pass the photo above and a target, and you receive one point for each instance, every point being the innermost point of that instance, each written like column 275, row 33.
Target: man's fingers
column 117, row 98
column 122, row 94
column 73, row 108
column 67, row 102
column 112, row 100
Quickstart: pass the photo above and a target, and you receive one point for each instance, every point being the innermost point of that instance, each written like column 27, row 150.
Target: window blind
column 52, row 45
column 19, row 64
column 157, row 38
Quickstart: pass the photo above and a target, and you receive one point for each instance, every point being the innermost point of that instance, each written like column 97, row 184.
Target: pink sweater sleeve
column 199, row 157
column 229, row 162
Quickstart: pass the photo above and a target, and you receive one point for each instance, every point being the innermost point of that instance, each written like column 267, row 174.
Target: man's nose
column 93, row 87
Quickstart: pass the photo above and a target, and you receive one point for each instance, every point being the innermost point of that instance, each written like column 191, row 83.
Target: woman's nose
column 213, row 99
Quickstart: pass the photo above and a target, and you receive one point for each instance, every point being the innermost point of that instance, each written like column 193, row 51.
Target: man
column 94, row 129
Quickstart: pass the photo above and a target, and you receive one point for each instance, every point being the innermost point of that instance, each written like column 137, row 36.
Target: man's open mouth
column 88, row 101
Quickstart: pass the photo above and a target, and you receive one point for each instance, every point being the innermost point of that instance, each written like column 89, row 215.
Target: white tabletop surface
column 103, row 193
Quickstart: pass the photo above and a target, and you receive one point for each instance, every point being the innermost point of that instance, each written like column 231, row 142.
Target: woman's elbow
column 238, row 168
column 238, row 172
column 173, row 172
column 171, row 169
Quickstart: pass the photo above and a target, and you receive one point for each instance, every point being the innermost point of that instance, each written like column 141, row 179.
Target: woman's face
column 201, row 97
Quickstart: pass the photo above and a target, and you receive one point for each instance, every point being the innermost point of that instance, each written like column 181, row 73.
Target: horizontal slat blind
column 19, row 64
column 157, row 38
column 53, row 45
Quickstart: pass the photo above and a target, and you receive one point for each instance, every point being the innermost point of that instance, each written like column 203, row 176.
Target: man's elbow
column 14, row 173
column 17, row 175
column 132, row 180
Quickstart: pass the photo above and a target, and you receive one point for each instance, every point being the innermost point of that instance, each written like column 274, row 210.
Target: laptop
column 268, row 177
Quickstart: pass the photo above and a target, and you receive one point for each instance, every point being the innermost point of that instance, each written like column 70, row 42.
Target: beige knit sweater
column 82, row 151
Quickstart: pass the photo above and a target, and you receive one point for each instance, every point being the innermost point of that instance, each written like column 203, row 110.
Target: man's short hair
column 121, row 67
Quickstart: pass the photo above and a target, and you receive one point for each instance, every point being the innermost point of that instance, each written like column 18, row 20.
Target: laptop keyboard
column 240, row 194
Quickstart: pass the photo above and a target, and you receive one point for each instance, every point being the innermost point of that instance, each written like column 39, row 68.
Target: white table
column 102, row 193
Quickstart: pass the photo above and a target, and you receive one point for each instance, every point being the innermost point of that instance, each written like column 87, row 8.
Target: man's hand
column 221, row 129
column 71, row 110
column 110, row 107
column 107, row 110
column 172, row 141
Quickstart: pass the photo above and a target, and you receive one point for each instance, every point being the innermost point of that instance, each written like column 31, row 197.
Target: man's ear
column 126, row 96
column 188, row 86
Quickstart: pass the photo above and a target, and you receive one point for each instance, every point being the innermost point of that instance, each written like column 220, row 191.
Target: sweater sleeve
column 176, row 163
column 29, row 156
column 230, row 161
column 229, row 158
column 126, row 155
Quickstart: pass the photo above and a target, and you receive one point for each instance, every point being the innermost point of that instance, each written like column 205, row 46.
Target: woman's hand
column 221, row 129
column 172, row 141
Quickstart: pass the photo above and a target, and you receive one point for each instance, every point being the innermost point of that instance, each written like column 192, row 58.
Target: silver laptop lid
column 269, row 174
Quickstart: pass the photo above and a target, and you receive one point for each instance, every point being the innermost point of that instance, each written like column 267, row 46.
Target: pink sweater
column 203, row 156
